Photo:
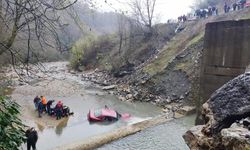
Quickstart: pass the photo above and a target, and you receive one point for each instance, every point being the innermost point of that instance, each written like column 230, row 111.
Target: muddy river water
column 81, row 96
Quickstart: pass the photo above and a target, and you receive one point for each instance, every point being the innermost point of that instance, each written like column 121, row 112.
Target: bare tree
column 31, row 21
column 143, row 11
column 121, row 30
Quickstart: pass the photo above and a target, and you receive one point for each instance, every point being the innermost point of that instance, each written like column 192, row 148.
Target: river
column 167, row 136
column 80, row 96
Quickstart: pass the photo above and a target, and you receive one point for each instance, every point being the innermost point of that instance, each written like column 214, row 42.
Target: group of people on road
column 213, row 10
column 59, row 110
column 204, row 13
column 182, row 18
column 235, row 6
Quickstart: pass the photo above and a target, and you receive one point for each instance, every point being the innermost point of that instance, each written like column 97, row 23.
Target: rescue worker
column 44, row 102
column 66, row 111
column 59, row 110
column 32, row 138
column 40, row 108
column 36, row 101
column 49, row 103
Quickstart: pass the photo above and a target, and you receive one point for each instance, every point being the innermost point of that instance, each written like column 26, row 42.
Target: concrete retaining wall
column 226, row 54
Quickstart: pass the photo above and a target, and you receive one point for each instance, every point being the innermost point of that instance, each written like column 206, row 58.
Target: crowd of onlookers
column 200, row 13
column 203, row 13
column 235, row 6
column 213, row 11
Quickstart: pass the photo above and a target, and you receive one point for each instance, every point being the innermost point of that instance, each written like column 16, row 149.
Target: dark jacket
column 37, row 99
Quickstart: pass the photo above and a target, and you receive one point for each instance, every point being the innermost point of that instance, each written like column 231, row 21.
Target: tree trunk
column 1, row 22
column 9, row 42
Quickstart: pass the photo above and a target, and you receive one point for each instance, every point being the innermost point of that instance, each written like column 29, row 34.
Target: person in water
column 32, row 137
column 36, row 101
column 44, row 102
column 49, row 103
column 40, row 108
column 59, row 110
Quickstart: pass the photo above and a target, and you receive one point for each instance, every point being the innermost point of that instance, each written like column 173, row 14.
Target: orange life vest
column 44, row 101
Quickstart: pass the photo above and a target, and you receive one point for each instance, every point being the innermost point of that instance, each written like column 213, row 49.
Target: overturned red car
column 104, row 114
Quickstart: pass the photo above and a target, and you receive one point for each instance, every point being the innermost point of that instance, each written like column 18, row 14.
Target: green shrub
column 12, row 133
column 90, row 51
column 77, row 51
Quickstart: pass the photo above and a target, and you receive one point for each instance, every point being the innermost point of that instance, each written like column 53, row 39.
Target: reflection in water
column 63, row 123
column 104, row 123
column 40, row 127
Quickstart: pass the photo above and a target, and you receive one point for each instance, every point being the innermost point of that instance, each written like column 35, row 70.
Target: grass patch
column 163, row 60
column 183, row 66
column 196, row 39
column 169, row 53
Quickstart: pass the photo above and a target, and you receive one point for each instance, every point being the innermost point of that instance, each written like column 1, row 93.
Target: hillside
column 172, row 74
column 181, row 56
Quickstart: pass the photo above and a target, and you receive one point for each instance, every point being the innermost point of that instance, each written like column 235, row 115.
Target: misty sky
column 165, row 9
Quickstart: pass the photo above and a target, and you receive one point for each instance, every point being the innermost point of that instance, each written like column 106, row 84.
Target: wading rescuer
column 40, row 109
column 49, row 106
column 36, row 102
column 59, row 110
column 44, row 102
column 32, row 137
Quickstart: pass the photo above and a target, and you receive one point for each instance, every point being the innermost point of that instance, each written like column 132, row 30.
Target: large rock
column 235, row 138
column 229, row 104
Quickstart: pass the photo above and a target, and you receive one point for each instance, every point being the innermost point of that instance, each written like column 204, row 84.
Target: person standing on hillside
column 225, row 7
column 234, row 6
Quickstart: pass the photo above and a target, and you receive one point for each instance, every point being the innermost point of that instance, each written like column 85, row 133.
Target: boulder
column 129, row 96
column 229, row 103
column 222, row 114
column 121, row 98
column 187, row 110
